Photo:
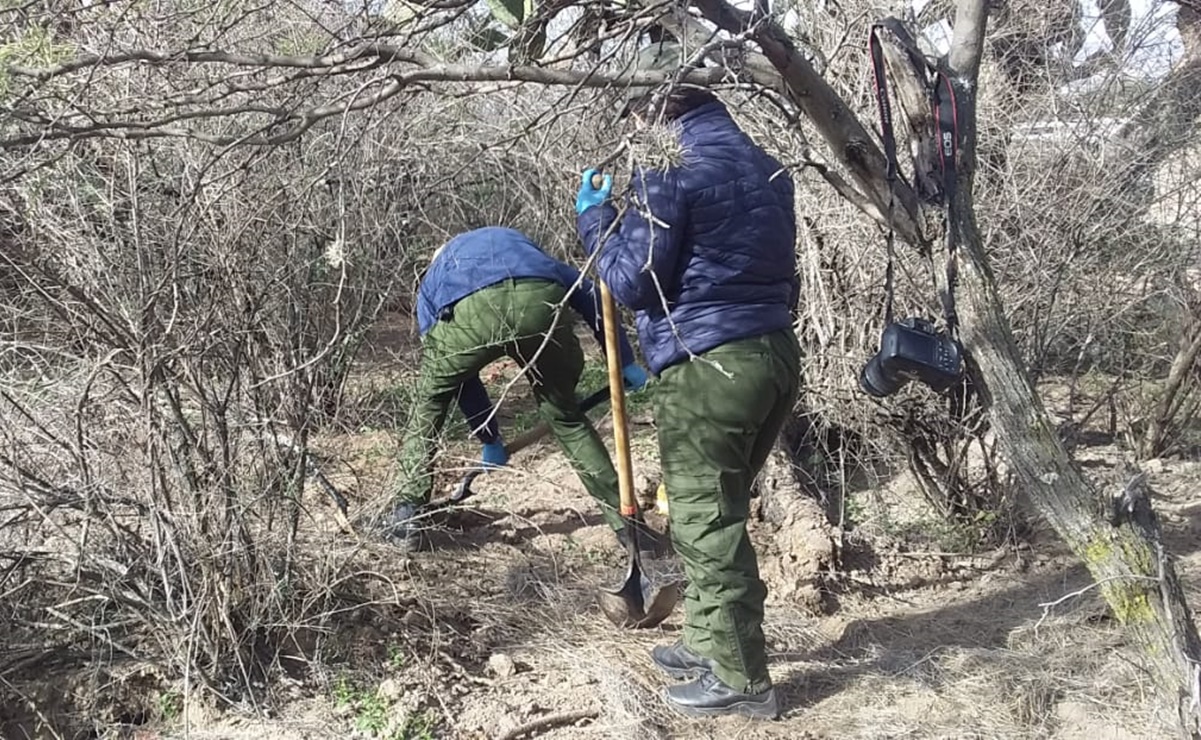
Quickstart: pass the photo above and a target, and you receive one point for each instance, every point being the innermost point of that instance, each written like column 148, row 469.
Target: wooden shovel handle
column 617, row 396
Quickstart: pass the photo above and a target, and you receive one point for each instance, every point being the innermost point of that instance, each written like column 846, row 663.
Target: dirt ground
column 498, row 626
column 504, row 630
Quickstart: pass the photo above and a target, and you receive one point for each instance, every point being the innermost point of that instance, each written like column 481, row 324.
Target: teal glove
column 590, row 196
column 634, row 376
column 495, row 455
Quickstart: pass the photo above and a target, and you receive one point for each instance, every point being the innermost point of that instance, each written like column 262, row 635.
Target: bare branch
column 374, row 52
column 838, row 125
column 304, row 120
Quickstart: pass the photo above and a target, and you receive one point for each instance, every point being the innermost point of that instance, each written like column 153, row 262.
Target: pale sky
column 1154, row 43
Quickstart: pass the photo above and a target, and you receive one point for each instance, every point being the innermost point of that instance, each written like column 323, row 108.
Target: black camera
column 912, row 349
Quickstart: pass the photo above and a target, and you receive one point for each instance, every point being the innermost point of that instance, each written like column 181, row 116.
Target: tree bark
column 1122, row 551
column 852, row 144
column 1121, row 546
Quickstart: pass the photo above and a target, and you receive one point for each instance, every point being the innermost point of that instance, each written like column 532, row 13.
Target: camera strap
column 946, row 116
column 890, row 159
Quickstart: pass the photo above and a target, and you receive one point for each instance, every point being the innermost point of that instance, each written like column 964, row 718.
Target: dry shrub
column 184, row 319
column 182, row 312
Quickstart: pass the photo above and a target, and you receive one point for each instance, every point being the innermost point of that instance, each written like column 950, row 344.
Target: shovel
column 525, row 439
column 637, row 603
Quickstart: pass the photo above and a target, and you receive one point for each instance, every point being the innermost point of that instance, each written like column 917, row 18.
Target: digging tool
column 341, row 514
column 523, row 440
column 340, row 510
column 638, row 603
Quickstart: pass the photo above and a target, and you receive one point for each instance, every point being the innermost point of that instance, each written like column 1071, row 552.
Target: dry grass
column 929, row 661
column 956, row 656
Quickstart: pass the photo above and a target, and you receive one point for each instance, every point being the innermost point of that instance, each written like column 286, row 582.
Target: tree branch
column 852, row 144
column 963, row 62
column 967, row 39
column 304, row 120
column 380, row 52
column 910, row 82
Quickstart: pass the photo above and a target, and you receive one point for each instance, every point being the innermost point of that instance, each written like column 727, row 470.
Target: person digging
column 492, row 293
column 704, row 256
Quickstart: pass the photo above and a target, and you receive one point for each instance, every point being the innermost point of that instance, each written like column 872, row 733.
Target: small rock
column 501, row 665
column 389, row 690
column 579, row 679
column 1155, row 466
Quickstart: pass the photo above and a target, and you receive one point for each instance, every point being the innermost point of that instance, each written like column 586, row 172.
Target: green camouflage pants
column 715, row 433
column 513, row 319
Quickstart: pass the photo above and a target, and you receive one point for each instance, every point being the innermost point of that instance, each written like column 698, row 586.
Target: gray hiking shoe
column 707, row 696
column 677, row 661
column 400, row 529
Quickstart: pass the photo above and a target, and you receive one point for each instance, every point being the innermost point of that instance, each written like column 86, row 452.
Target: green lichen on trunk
column 1128, row 596
column 1129, row 602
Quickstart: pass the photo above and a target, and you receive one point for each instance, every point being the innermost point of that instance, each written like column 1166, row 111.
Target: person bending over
column 492, row 293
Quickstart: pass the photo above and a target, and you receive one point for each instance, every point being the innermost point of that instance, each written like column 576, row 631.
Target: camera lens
column 875, row 381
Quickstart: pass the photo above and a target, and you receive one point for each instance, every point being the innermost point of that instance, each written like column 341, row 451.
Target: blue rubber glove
column 590, row 196
column 495, row 455
column 634, row 376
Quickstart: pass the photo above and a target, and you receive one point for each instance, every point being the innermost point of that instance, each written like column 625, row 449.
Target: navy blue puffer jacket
column 713, row 239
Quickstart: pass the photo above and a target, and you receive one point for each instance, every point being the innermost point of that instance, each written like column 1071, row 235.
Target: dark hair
column 678, row 102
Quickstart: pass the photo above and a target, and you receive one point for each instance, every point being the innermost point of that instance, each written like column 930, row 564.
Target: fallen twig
column 550, row 720
column 1049, row 605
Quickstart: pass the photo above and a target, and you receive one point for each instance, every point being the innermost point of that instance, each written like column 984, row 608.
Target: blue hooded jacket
column 477, row 259
column 719, row 250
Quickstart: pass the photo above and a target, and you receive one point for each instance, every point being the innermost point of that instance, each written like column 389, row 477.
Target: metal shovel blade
column 638, row 603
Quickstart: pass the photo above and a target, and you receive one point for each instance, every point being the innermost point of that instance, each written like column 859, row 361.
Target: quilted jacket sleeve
column 642, row 253
column 585, row 300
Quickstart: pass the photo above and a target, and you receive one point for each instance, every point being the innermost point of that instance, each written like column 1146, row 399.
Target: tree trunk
column 1123, row 552
column 1122, row 547
column 1119, row 542
column 1174, row 393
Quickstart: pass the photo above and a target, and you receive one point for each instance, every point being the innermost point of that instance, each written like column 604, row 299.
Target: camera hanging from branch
column 915, row 348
